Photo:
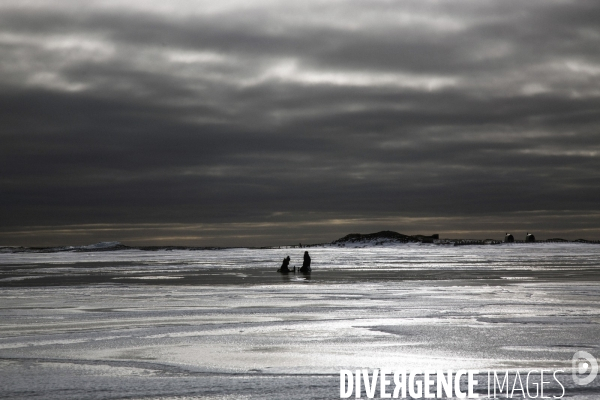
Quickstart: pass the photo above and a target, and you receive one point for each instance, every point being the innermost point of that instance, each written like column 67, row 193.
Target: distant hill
column 382, row 237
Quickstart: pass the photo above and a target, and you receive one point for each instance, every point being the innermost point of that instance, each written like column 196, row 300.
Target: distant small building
column 508, row 238
column 529, row 238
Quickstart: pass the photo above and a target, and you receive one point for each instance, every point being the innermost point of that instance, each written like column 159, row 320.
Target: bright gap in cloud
column 288, row 71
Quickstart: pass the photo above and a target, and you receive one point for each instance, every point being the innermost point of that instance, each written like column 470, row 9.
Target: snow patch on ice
column 21, row 278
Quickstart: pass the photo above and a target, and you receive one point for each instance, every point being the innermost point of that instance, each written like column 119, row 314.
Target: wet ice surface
column 222, row 324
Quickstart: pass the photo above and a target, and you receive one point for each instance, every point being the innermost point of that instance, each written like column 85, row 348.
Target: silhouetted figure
column 509, row 238
column 285, row 265
column 529, row 238
column 306, row 263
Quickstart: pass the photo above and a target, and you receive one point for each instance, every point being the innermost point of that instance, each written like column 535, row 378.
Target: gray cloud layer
column 265, row 122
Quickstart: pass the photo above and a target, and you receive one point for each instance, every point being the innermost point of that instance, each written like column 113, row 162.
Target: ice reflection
column 261, row 334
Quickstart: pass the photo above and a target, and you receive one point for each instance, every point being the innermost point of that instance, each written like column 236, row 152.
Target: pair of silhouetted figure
column 285, row 266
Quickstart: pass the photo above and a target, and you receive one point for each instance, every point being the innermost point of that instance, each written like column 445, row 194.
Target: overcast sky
column 263, row 122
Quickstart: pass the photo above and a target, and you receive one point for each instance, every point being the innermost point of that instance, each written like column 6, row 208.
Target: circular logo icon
column 584, row 363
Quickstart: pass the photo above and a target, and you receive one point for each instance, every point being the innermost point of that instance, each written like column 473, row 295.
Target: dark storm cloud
column 237, row 123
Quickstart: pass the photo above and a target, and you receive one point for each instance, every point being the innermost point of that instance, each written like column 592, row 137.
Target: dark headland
column 385, row 236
